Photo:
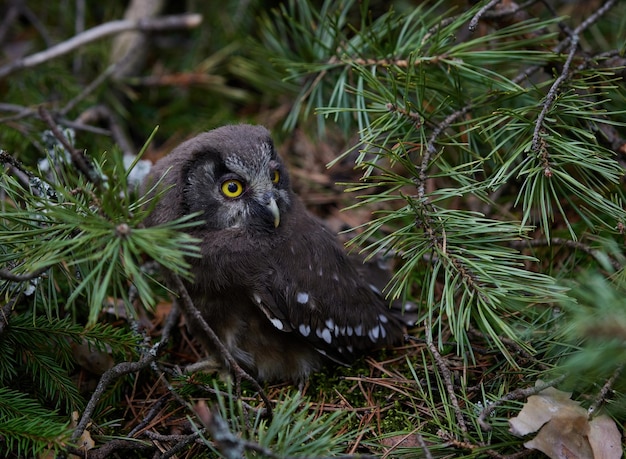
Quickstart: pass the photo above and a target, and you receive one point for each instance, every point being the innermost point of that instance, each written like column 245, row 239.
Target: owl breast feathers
column 274, row 284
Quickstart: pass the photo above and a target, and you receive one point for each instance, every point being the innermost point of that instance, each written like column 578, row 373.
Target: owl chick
column 275, row 285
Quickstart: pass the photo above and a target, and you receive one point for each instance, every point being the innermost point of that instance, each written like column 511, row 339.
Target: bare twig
column 474, row 22
column 517, row 394
column 78, row 158
column 154, row 411
column 180, row 444
column 562, row 45
column 431, row 150
column 419, row 440
column 6, row 158
column 100, row 79
column 11, row 13
column 102, row 113
column 114, row 446
column 185, row 21
column 415, row 117
column 229, row 444
column 510, row 9
column 107, row 378
column 125, row 368
column 194, row 315
column 6, row 274
column 604, row 392
column 35, row 22
column 79, row 27
column 447, row 377
column 595, row 16
column 130, row 49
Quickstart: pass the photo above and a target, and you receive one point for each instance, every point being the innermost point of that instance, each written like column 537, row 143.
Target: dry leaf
column 605, row 438
column 565, row 431
column 564, row 437
column 539, row 409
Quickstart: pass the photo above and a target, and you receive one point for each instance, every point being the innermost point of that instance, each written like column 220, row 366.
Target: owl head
column 231, row 175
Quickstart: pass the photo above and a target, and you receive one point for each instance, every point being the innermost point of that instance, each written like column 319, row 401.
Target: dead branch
column 124, row 368
column 185, row 21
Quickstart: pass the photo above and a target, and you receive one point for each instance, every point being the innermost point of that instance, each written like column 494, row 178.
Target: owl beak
column 273, row 208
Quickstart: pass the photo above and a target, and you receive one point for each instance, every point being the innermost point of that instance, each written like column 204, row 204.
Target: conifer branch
column 578, row 245
column 537, row 146
column 5, row 313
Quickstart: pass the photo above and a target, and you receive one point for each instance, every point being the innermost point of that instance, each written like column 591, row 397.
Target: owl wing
column 318, row 292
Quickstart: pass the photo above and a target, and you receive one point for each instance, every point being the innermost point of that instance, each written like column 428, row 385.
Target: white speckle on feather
column 374, row 333
column 302, row 297
column 325, row 335
column 277, row 323
column 304, row 329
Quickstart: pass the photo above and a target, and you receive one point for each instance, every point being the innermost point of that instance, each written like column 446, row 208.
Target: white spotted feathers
column 333, row 332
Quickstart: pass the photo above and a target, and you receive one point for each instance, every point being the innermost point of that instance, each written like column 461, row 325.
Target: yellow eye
column 232, row 188
column 275, row 176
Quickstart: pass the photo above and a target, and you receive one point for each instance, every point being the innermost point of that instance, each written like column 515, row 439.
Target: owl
column 272, row 281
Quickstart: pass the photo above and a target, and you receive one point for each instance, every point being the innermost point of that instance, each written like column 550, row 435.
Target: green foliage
column 27, row 428
column 37, row 393
column 77, row 242
column 88, row 238
column 294, row 430
column 399, row 77
column 489, row 156
column 486, row 153
column 596, row 335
